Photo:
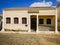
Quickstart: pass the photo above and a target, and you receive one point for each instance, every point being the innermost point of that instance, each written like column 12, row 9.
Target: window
column 41, row 21
column 24, row 20
column 48, row 21
column 8, row 20
column 16, row 20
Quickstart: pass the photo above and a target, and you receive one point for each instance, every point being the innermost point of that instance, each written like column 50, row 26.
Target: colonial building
column 39, row 16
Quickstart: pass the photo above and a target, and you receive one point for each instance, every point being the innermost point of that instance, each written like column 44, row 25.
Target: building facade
column 39, row 16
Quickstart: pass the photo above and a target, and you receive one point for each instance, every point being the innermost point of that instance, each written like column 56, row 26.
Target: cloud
column 58, row 0
column 41, row 4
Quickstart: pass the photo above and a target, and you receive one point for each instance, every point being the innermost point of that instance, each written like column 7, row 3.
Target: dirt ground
column 29, row 39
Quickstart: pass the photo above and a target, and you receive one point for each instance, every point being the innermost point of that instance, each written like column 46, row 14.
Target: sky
column 22, row 3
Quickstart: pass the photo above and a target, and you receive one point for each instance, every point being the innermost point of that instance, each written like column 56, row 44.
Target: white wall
column 12, row 14
column 47, row 12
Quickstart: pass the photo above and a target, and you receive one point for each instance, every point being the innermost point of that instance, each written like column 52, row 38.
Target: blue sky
column 21, row 3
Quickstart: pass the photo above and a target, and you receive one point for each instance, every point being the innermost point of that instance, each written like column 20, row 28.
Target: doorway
column 33, row 23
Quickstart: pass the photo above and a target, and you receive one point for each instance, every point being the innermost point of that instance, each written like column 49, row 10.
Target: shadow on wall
column 0, row 23
column 0, row 26
column 58, row 26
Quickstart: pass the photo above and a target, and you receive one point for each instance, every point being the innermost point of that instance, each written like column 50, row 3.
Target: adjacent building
column 58, row 8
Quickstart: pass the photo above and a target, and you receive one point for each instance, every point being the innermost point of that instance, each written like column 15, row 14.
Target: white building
column 40, row 16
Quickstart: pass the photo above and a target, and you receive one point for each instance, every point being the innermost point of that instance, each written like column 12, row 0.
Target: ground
column 29, row 39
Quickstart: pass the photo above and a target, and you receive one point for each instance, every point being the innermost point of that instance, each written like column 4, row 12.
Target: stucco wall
column 22, row 13
column 12, row 14
column 47, row 12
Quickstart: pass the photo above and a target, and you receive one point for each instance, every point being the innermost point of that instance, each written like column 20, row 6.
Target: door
column 33, row 24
